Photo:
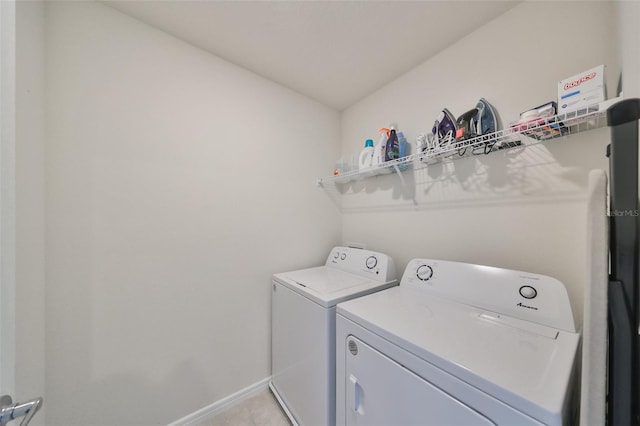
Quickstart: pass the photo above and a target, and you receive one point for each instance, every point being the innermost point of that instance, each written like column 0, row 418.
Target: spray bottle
column 379, row 150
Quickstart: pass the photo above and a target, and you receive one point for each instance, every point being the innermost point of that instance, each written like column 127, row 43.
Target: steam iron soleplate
column 444, row 130
column 449, row 135
column 466, row 125
column 487, row 121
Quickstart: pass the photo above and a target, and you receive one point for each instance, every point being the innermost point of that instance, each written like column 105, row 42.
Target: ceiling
column 336, row 52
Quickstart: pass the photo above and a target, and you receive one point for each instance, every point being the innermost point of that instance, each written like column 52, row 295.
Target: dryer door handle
column 357, row 394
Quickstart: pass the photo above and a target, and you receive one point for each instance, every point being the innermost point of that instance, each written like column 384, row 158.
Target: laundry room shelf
column 517, row 135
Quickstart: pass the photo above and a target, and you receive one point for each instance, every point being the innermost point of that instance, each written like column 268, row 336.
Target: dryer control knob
column 371, row 262
column 343, row 256
column 424, row 272
column 336, row 255
column 528, row 292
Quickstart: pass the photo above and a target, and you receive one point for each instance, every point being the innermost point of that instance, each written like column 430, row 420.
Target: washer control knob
column 343, row 256
column 424, row 272
column 371, row 262
column 528, row 292
column 336, row 255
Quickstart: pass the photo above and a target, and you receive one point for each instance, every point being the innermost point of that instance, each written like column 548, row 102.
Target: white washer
column 458, row 344
column 303, row 328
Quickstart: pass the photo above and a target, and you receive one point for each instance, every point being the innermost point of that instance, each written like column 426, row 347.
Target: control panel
column 366, row 263
column 527, row 296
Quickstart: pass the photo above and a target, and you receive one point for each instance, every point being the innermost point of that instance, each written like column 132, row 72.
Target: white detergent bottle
column 366, row 155
column 380, row 151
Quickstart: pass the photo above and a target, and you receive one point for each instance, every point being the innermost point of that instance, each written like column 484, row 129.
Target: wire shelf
column 519, row 134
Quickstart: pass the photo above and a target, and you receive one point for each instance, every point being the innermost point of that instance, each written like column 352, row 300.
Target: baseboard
column 221, row 405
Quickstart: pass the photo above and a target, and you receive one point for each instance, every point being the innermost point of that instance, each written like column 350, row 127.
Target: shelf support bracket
column 403, row 182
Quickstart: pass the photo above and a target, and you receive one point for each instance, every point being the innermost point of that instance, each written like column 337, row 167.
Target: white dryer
column 303, row 328
column 458, row 344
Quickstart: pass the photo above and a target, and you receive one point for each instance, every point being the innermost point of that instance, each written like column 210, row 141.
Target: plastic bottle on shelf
column 403, row 145
column 392, row 150
column 404, row 148
column 379, row 150
column 366, row 155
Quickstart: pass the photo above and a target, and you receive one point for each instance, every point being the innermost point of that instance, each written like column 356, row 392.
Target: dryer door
column 379, row 391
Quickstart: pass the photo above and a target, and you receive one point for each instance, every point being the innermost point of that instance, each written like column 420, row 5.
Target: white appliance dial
column 343, row 256
column 528, row 292
column 371, row 262
column 336, row 255
column 424, row 272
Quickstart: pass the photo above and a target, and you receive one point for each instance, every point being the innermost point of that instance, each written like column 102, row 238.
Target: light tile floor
column 260, row 410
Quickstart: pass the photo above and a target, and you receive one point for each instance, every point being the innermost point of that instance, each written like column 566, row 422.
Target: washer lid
column 526, row 365
column 325, row 280
column 329, row 286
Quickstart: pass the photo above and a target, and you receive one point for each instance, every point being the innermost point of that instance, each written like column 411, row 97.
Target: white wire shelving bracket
column 516, row 135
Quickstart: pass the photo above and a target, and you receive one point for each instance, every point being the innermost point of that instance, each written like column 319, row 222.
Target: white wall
column 161, row 236
column 176, row 184
column 7, row 196
column 628, row 14
column 629, row 38
column 521, row 209
column 30, row 136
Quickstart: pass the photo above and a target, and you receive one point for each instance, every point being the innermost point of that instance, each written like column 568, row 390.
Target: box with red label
column 581, row 90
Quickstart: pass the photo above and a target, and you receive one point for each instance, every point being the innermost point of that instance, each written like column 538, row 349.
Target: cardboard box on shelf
column 581, row 90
